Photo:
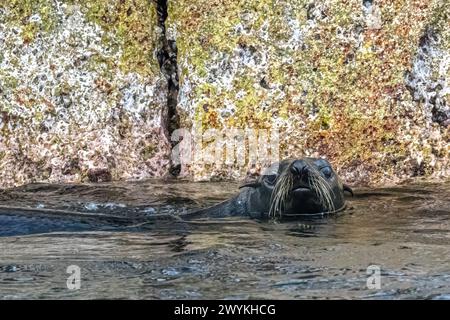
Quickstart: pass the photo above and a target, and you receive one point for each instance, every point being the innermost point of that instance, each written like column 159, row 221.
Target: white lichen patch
column 429, row 78
column 67, row 109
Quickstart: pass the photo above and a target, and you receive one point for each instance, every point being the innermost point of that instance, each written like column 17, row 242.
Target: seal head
column 287, row 189
column 296, row 187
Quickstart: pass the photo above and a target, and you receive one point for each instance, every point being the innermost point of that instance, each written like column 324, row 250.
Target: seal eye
column 270, row 179
column 326, row 171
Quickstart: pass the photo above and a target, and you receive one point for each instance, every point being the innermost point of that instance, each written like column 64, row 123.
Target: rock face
column 81, row 94
column 89, row 90
column 363, row 83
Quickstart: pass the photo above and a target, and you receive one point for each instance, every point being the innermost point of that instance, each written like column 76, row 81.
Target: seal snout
column 300, row 171
column 299, row 168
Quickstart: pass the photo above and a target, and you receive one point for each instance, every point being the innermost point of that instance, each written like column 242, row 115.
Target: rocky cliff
column 92, row 90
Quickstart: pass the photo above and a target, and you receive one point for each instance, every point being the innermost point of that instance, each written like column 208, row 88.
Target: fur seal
column 293, row 188
column 287, row 189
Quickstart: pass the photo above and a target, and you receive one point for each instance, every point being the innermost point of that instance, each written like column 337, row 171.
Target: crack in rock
column 167, row 59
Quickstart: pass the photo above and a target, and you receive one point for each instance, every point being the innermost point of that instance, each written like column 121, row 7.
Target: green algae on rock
column 328, row 74
column 362, row 83
column 81, row 92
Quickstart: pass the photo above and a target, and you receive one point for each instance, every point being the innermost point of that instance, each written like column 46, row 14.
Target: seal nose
column 299, row 168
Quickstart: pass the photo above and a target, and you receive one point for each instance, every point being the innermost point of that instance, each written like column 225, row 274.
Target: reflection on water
column 107, row 230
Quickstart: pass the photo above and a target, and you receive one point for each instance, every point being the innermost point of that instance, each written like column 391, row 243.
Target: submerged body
column 290, row 188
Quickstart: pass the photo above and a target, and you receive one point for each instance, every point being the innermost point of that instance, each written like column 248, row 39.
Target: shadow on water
column 109, row 231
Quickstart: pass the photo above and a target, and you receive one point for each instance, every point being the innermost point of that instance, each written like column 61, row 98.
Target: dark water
column 107, row 231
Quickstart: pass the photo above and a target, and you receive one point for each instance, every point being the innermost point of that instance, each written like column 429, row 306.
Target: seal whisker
column 321, row 188
column 280, row 193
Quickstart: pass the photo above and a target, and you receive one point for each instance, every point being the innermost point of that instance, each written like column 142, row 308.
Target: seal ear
column 250, row 184
column 348, row 189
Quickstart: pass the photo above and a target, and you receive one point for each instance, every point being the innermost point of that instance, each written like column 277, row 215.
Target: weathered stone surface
column 363, row 83
column 80, row 91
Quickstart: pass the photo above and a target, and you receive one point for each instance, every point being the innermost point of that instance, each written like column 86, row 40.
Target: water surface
column 108, row 231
